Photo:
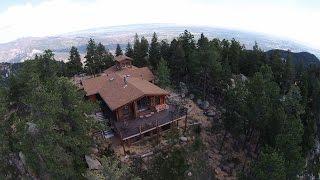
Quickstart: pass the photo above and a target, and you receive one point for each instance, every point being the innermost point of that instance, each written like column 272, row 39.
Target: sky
column 291, row 19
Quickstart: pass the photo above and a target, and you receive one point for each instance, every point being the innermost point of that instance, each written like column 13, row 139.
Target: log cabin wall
column 120, row 115
column 133, row 107
column 124, row 64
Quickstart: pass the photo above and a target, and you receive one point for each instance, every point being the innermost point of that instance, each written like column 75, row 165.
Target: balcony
column 144, row 124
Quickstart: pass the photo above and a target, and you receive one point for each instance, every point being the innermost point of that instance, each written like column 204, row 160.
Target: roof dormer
column 123, row 61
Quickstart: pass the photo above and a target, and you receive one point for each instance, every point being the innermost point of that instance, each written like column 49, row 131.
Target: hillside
column 297, row 58
column 21, row 49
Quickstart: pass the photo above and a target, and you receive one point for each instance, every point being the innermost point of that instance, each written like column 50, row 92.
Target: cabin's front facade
column 131, row 101
column 141, row 107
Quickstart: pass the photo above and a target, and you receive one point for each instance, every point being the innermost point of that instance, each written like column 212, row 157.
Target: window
column 126, row 110
column 143, row 103
column 157, row 100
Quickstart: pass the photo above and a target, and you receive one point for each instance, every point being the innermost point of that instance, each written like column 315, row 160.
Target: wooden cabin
column 130, row 99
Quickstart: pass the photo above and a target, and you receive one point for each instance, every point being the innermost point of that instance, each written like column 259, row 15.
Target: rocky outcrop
column 93, row 163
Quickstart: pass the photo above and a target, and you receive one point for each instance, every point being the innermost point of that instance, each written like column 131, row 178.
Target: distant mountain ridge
column 304, row 58
column 24, row 48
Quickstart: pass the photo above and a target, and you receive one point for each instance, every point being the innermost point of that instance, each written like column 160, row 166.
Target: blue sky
column 293, row 19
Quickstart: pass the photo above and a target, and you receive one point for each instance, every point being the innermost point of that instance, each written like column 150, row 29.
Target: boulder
column 94, row 150
column 32, row 128
column 199, row 102
column 93, row 163
column 211, row 113
column 22, row 158
column 205, row 104
column 183, row 88
column 233, row 84
column 189, row 174
column 183, row 139
column 191, row 96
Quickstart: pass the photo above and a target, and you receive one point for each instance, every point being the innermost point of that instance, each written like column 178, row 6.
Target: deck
column 132, row 128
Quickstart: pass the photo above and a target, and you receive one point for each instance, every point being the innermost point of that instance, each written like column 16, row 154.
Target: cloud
column 52, row 17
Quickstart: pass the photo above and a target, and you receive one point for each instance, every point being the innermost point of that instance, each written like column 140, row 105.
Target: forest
column 276, row 109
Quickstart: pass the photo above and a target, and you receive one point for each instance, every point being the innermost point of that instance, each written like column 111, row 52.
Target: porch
column 136, row 127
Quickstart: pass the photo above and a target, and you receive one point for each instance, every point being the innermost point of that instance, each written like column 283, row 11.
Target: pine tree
column 140, row 51
column 177, row 62
column 74, row 65
column 154, row 52
column 235, row 53
column 277, row 67
column 51, row 131
column 203, row 42
column 270, row 165
column 163, row 73
column 165, row 50
column 118, row 50
column 105, row 58
column 187, row 42
column 3, row 101
column 91, row 57
column 47, row 65
column 144, row 49
column 129, row 51
column 289, row 140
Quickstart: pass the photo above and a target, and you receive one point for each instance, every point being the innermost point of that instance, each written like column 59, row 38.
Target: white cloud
column 59, row 16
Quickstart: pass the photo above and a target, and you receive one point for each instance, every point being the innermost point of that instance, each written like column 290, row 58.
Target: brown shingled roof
column 93, row 85
column 122, row 58
column 117, row 93
column 143, row 72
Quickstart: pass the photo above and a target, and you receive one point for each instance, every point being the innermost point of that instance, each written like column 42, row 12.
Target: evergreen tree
column 177, row 62
column 129, row 51
column 163, row 73
column 235, row 53
column 47, row 65
column 3, row 101
column 91, row 57
column 105, row 58
column 118, row 50
column 270, row 165
column 154, row 52
column 277, row 67
column 187, row 42
column 165, row 50
column 74, row 65
column 169, row 166
column 101, row 54
column 51, row 131
column 290, row 139
column 140, row 52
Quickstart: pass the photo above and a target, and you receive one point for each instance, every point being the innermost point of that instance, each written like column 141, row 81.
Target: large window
column 143, row 103
column 126, row 110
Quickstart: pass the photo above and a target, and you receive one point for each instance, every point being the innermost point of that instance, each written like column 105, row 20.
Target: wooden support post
column 123, row 147
column 158, row 131
column 122, row 143
column 129, row 142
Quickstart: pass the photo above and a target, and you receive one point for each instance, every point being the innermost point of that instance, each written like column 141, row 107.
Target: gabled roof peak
column 122, row 58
